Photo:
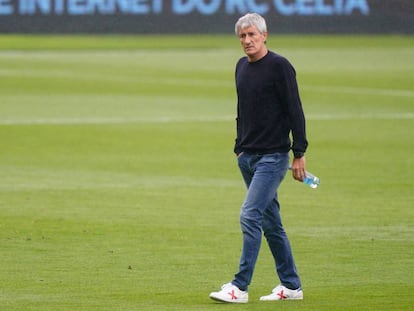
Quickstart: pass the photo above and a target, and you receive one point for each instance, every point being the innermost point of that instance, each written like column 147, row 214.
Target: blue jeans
column 260, row 212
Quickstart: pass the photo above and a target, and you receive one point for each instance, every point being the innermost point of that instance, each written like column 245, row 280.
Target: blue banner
column 204, row 16
column 183, row 7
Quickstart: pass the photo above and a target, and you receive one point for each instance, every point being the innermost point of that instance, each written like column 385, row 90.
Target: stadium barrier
column 204, row 16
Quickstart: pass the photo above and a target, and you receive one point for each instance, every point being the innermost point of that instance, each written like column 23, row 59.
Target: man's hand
column 299, row 168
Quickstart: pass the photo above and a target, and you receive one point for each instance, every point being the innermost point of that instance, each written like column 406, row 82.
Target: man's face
column 253, row 42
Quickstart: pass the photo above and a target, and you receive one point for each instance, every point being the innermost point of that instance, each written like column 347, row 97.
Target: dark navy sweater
column 269, row 109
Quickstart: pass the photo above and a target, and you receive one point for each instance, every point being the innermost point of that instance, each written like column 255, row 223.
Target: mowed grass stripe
column 60, row 179
column 167, row 119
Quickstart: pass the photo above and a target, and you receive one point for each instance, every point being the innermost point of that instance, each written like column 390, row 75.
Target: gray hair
column 251, row 19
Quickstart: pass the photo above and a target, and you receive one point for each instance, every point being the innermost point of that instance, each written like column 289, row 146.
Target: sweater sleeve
column 292, row 102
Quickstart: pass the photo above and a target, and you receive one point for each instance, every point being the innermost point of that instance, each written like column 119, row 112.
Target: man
column 268, row 110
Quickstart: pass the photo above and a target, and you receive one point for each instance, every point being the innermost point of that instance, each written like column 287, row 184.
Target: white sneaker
column 281, row 292
column 230, row 293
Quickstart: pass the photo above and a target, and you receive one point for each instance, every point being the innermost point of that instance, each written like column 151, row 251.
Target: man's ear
column 265, row 36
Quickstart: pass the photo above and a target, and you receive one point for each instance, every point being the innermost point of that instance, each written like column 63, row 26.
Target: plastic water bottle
column 310, row 180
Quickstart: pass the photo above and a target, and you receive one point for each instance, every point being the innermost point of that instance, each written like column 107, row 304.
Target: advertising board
column 204, row 16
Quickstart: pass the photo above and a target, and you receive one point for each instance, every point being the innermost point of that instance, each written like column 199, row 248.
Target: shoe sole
column 227, row 301
column 301, row 298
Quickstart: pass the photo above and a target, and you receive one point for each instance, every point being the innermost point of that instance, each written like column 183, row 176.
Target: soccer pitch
column 119, row 189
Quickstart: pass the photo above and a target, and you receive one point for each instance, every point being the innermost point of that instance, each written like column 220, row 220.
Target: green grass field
column 119, row 189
